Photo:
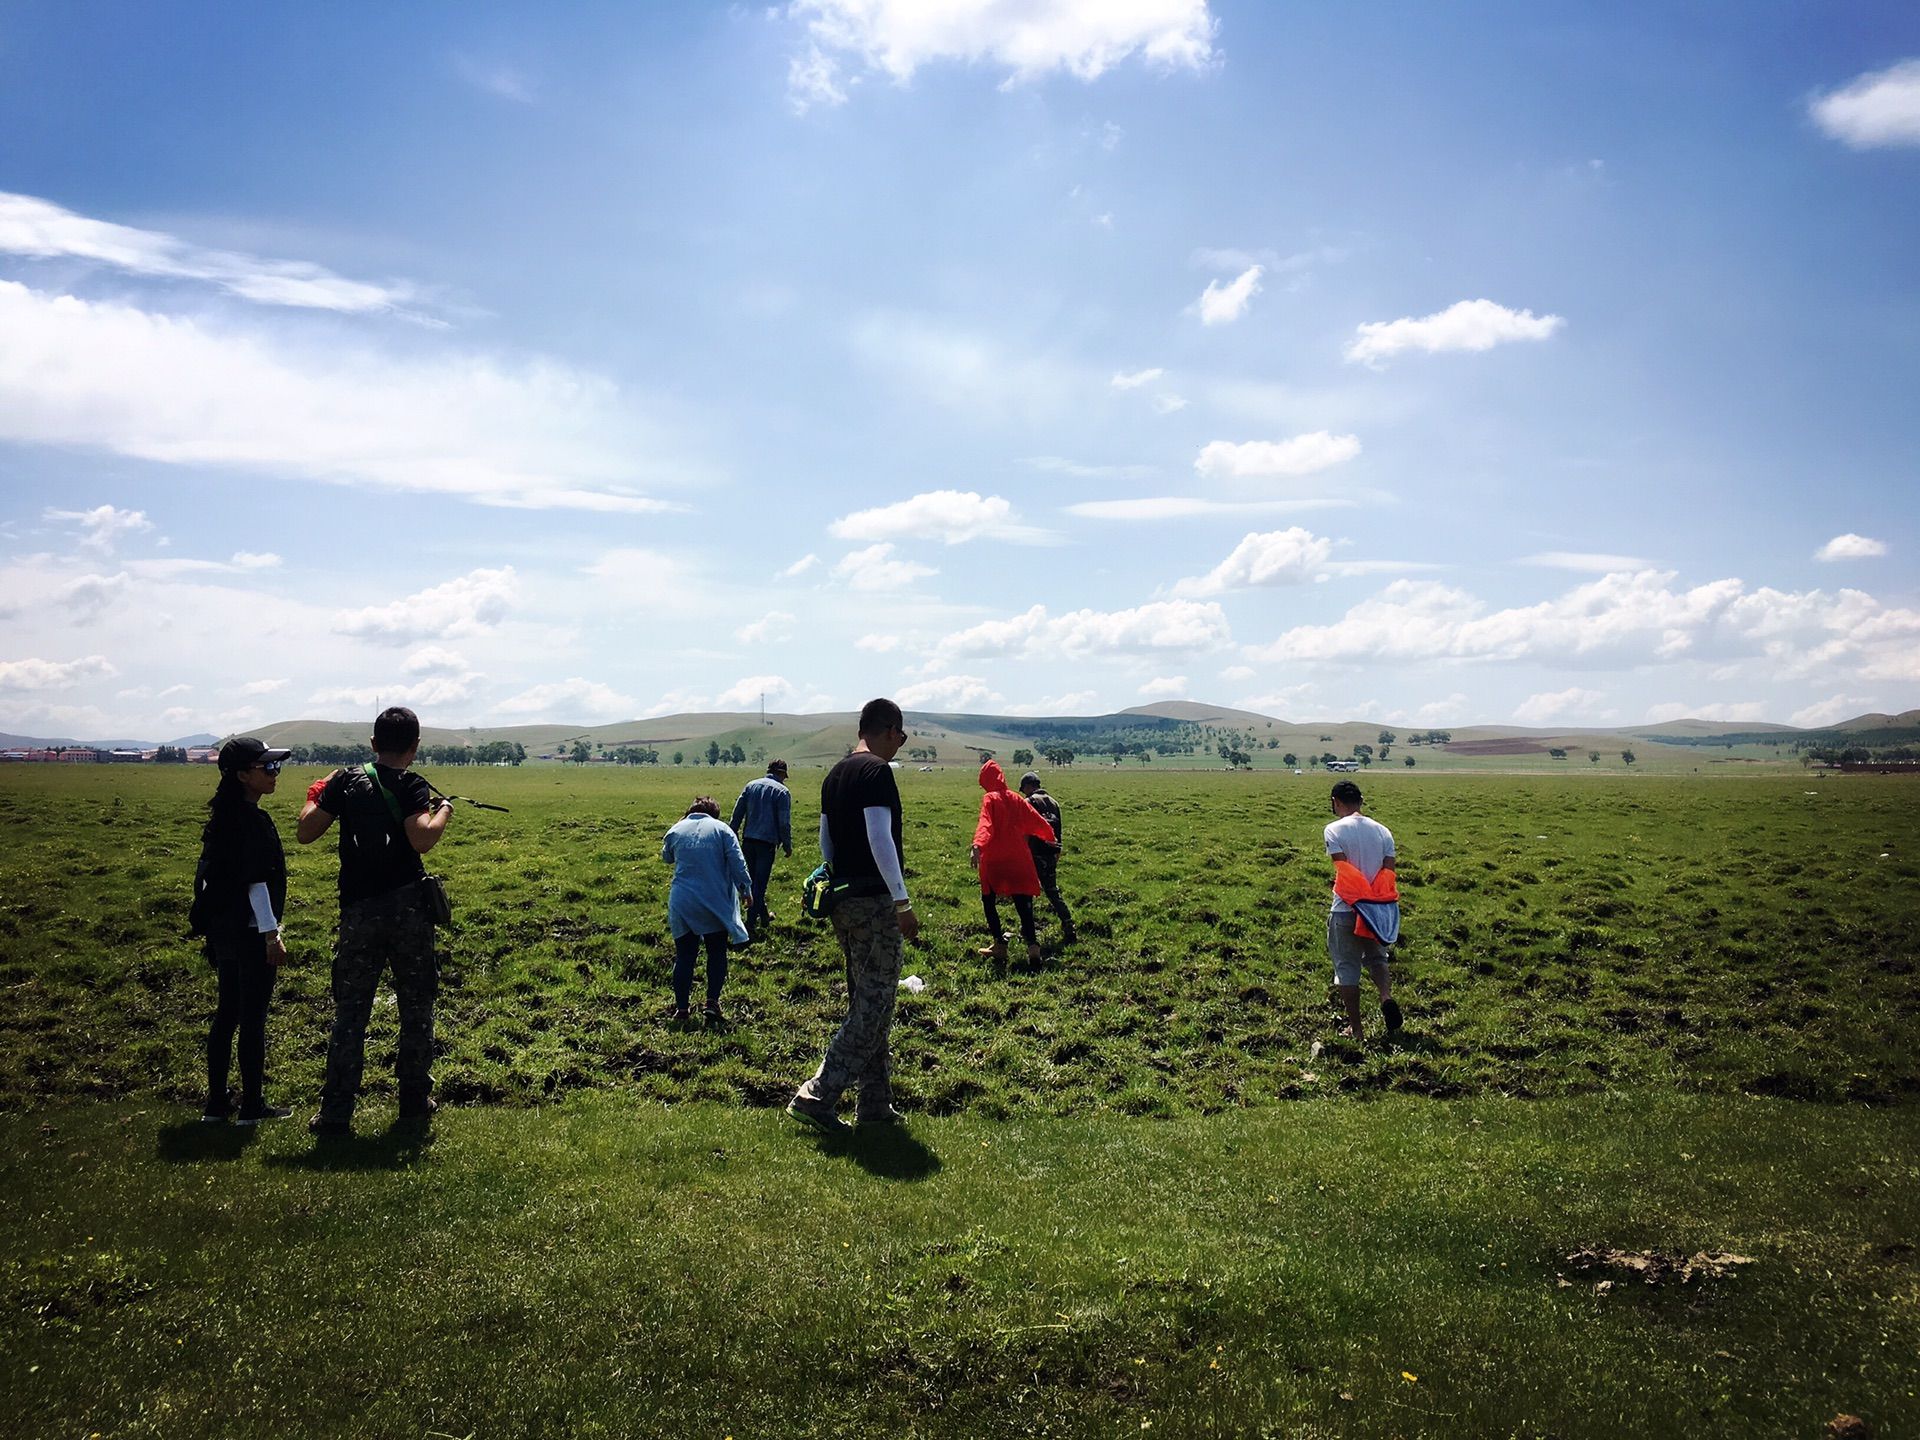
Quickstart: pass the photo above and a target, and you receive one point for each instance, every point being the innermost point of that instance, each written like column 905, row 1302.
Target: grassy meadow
column 1145, row 1192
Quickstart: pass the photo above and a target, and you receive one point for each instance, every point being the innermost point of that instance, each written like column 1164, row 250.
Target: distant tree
column 1289, row 760
column 1363, row 751
column 1627, row 757
column 1558, row 754
column 1324, row 739
column 1058, row 755
column 1022, row 757
column 1273, row 742
column 759, row 756
column 580, row 753
column 713, row 752
column 1119, row 753
column 1384, row 749
column 679, row 756
column 1408, row 762
column 1593, row 756
column 736, row 755
column 1366, row 759
column 1387, row 737
column 1143, row 755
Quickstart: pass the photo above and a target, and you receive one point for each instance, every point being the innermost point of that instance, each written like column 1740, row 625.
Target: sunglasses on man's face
column 272, row 767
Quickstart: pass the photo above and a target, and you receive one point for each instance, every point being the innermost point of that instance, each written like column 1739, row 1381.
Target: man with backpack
column 388, row 820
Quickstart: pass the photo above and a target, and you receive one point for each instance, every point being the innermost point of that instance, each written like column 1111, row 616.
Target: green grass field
column 1650, row 1013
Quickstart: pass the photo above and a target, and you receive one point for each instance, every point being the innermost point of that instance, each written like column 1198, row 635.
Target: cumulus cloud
column 1716, row 711
column 1237, row 673
column 1572, row 703
column 1133, row 380
column 28, row 676
column 1465, row 325
column 780, row 693
column 434, row 660
column 1830, row 711
column 775, row 625
column 1276, row 557
column 877, row 644
column 1169, row 404
column 1159, row 628
column 472, row 604
column 113, row 377
column 103, row 526
column 1166, row 687
column 1074, row 702
column 895, row 38
column 950, row 516
column 43, row 230
column 1300, row 455
column 1633, row 619
column 874, row 568
column 950, row 692
column 1878, row 108
column 264, row 687
column 1592, row 562
column 798, row 568
column 1223, row 304
column 1851, row 547
column 87, row 597
column 567, row 700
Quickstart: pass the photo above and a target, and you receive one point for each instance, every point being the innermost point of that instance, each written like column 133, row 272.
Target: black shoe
column 326, row 1129
column 1390, row 1012
column 213, row 1116
column 420, row 1110
column 254, row 1114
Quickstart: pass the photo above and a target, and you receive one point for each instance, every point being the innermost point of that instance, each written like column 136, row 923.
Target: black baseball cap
column 243, row 752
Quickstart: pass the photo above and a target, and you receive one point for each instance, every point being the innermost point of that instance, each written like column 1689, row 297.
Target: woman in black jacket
column 240, row 892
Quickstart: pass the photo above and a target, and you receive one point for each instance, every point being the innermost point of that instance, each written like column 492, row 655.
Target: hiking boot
column 880, row 1115
column 324, row 1129
column 713, row 1016
column 997, row 950
column 254, row 1114
column 1069, row 935
column 1036, row 957
column 1390, row 1012
column 212, row 1116
column 817, row 1115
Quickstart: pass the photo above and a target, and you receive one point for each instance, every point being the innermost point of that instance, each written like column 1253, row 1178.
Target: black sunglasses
column 272, row 767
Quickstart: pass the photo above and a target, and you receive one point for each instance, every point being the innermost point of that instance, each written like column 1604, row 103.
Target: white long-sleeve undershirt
column 263, row 919
column 886, row 859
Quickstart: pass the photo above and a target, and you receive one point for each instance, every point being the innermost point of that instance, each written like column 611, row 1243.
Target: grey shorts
column 1350, row 953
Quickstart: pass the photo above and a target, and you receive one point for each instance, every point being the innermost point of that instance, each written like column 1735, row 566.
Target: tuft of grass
column 1563, row 936
column 594, row 1268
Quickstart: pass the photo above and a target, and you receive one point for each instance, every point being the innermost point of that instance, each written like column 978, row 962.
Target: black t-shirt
column 375, row 854
column 239, row 848
column 851, row 788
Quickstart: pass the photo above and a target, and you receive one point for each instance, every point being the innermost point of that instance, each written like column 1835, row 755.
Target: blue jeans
column 759, row 855
column 686, row 948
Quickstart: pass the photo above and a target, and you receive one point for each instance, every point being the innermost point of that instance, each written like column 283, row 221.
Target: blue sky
column 1480, row 365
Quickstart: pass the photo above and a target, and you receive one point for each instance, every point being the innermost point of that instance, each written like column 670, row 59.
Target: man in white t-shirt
column 1368, row 846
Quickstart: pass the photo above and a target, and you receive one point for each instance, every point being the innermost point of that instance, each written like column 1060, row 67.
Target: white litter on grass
column 1539, row 837
column 913, row 984
column 1886, row 855
column 1314, row 1053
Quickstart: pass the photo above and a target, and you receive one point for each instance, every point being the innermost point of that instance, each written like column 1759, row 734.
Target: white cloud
column 181, row 391
column 1168, row 404
column 1830, row 711
column 1275, row 261
column 675, row 702
column 1721, row 712
column 874, row 569
column 950, row 516
column 434, row 660
column 1059, row 465
column 472, row 604
column 264, row 687
column 1573, row 703
column 1074, row 702
column 1237, row 673
column 1166, row 687
column 104, row 525
column 26, row 676
column 1592, row 563
column 978, row 376
column 255, row 560
column 90, row 595
column 1465, row 325
column 798, row 567
column 780, row 693
column 877, row 644
column 1878, row 108
column 43, row 230
column 1223, row 304
column 424, row 694
column 1851, row 547
column 495, row 78
column 950, row 692
column 1188, row 507
column 1133, row 380
column 1161, row 627
column 1276, row 557
column 774, row 626
column 569, row 700
column 1300, row 455
column 1084, row 38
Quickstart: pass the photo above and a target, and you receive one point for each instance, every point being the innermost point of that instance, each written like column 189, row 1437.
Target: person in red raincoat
column 1005, row 863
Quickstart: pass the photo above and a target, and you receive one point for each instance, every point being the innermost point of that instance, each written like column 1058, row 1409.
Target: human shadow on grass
column 887, row 1152
column 403, row 1143
column 191, row 1142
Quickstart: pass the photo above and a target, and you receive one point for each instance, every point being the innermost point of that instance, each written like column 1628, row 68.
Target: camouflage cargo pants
column 394, row 930
column 869, row 934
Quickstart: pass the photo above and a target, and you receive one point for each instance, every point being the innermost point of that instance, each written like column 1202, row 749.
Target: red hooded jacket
column 1006, row 822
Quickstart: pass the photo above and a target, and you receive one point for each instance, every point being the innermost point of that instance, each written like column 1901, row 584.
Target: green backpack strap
column 393, row 805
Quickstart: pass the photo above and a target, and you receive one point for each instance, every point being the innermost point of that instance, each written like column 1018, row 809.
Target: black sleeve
column 333, row 799
column 412, row 793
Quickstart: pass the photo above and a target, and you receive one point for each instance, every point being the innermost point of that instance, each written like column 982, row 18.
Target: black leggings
column 1022, row 904
column 685, row 948
column 246, row 985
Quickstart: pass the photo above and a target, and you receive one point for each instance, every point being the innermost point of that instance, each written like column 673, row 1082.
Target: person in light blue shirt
column 763, row 818
column 703, row 903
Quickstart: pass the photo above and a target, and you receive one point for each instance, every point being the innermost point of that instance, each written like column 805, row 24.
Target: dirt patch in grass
column 1494, row 747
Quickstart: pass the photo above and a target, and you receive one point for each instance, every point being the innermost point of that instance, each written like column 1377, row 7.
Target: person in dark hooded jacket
column 1005, row 863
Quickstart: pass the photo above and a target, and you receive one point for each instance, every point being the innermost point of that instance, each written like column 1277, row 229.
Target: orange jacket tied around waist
column 1375, row 902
